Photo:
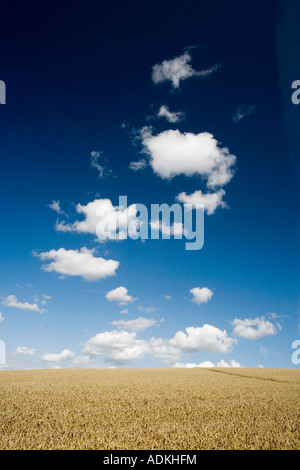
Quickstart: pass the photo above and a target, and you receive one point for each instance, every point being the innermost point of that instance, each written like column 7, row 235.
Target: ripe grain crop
column 150, row 409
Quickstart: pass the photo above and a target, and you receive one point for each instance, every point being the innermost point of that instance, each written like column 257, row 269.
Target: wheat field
column 152, row 409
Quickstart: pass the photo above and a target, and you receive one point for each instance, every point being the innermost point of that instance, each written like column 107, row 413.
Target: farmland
column 150, row 409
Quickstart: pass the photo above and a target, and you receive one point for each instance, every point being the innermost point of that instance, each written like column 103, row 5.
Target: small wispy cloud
column 167, row 297
column 139, row 165
column 170, row 116
column 147, row 309
column 242, row 112
column 179, row 69
column 55, row 206
column 138, row 324
column 98, row 161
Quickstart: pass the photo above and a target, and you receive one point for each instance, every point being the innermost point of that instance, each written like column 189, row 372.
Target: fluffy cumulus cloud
column 203, row 339
column 178, row 69
column 83, row 362
column 118, row 347
column 120, row 295
column 59, row 357
column 201, row 295
column 137, row 324
column 103, row 219
column 12, row 301
column 211, row 201
column 78, row 263
column 1, row 318
column 24, row 351
column 174, row 153
column 122, row 346
column 162, row 350
column 170, row 116
column 255, row 328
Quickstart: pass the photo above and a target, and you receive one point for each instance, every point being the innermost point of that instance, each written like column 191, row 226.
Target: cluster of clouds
column 170, row 154
column 122, row 346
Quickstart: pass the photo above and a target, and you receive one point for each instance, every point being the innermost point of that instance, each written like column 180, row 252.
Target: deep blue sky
column 75, row 72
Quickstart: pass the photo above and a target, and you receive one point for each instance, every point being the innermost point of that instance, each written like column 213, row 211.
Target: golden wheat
column 150, row 409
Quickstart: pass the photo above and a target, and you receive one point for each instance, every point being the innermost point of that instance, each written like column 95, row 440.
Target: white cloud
column 47, row 297
column 12, row 301
column 24, row 351
column 98, row 162
column 139, row 165
column 120, row 295
column 173, row 153
column 1, row 318
column 192, row 365
column 176, row 230
column 118, row 347
column 103, row 219
column 78, row 263
column 178, row 69
column 242, row 112
column 138, row 324
column 55, row 206
column 171, row 116
column 211, row 201
column 203, row 339
column 167, row 297
column 64, row 355
column 201, row 295
column 232, row 363
column 84, row 362
column 124, row 312
column 162, row 350
column 122, row 347
column 221, row 363
column 147, row 309
column 254, row 328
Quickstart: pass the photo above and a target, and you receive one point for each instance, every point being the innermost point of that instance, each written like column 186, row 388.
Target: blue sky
column 94, row 88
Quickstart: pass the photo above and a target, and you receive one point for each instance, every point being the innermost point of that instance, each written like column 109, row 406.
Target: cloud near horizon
column 123, row 347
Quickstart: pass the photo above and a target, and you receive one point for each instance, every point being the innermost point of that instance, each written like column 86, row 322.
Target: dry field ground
column 150, row 409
